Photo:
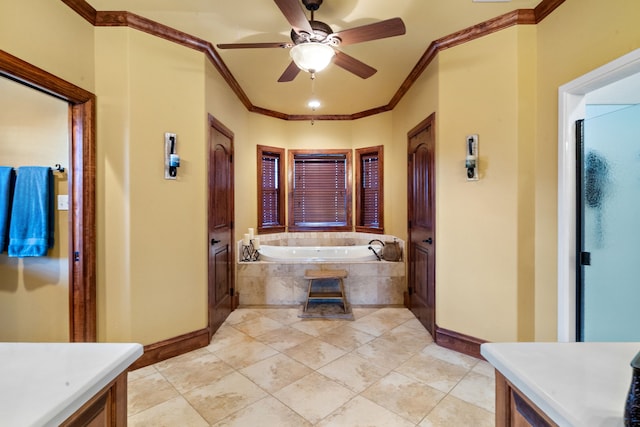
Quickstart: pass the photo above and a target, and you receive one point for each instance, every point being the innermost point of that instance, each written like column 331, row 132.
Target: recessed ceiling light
column 313, row 104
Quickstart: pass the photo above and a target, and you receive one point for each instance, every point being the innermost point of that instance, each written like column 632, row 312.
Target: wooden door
column 421, row 211
column 220, row 213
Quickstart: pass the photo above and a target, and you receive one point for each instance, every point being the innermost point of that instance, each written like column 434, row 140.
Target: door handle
column 214, row 241
column 429, row 240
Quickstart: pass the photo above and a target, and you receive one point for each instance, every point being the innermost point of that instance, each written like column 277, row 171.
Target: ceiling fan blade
column 290, row 73
column 354, row 66
column 253, row 45
column 292, row 10
column 379, row 30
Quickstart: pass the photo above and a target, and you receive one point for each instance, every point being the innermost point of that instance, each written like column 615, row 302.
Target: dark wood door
column 421, row 210
column 221, row 253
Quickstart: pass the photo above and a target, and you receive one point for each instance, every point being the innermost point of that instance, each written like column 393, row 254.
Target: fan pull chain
column 313, row 101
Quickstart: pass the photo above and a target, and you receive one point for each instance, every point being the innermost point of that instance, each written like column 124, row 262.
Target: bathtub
column 356, row 253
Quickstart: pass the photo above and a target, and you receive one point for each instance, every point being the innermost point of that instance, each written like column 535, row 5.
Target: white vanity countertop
column 42, row 384
column 575, row 384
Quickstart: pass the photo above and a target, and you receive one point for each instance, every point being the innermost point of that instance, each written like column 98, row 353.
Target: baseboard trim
column 459, row 342
column 162, row 350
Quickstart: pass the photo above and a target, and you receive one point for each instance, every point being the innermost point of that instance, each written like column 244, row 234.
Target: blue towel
column 7, row 181
column 31, row 226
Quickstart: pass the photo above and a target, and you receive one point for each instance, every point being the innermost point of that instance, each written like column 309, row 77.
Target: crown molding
column 131, row 20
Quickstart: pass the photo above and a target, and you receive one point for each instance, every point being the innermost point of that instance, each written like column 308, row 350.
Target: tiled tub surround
column 283, row 283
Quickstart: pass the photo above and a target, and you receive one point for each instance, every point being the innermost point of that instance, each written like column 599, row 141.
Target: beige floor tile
column 434, row 372
column 240, row 315
column 353, row 372
column 485, row 368
column 384, row 353
column 267, row 412
column 453, row 412
column 316, row 327
column 276, row 372
column 372, row 325
column 404, row 396
column 284, row 338
column 267, row 367
column 147, row 392
column 226, row 336
column 188, row 374
column 314, row 353
column 450, row 356
column 258, row 326
column 477, row 389
column 359, row 312
column 361, row 412
column 142, row 372
column 346, row 338
column 245, row 353
column 415, row 324
column 218, row 400
column 408, row 338
column 173, row 413
column 314, row 396
column 182, row 360
column 286, row 316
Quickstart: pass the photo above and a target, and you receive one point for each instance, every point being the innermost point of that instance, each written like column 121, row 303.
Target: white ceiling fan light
column 312, row 57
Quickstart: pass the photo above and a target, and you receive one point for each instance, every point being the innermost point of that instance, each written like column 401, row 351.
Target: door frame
column 82, row 188
column 572, row 102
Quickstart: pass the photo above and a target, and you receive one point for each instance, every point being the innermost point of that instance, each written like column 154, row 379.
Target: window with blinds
column 320, row 189
column 369, row 189
column 270, row 189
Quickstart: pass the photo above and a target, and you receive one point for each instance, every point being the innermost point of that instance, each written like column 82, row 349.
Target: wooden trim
column 545, row 7
column 459, row 342
column 123, row 18
column 503, row 407
column 82, row 227
column 82, row 8
column 379, row 150
column 163, row 350
column 280, row 227
column 82, row 259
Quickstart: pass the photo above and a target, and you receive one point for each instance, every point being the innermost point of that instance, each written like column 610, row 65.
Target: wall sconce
column 171, row 158
column 471, row 160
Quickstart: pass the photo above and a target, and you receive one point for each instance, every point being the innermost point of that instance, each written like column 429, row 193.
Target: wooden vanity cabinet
column 513, row 409
column 108, row 408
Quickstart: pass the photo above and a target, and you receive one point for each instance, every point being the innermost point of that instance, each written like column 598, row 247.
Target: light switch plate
column 63, row 202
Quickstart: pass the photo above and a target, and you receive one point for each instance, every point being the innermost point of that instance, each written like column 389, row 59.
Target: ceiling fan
column 313, row 42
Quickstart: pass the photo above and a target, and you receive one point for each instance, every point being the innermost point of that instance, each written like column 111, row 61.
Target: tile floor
column 267, row 367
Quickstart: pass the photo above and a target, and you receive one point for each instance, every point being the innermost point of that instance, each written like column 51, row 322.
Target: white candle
column 256, row 243
column 246, row 239
column 251, row 233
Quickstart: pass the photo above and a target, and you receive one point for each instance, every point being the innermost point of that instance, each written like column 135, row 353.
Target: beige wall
column 34, row 291
column 49, row 35
column 152, row 232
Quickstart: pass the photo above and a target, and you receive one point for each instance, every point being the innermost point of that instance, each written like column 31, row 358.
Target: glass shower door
column 609, row 224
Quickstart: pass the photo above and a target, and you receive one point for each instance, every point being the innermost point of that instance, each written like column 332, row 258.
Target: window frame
column 263, row 150
column 360, row 205
column 347, row 153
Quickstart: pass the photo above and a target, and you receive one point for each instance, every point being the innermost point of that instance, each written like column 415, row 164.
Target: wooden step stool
column 318, row 292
